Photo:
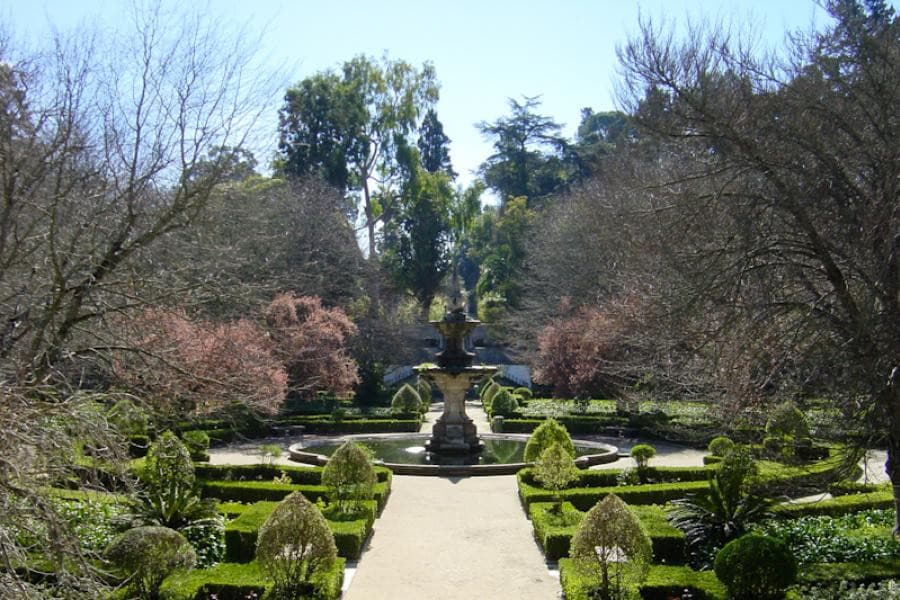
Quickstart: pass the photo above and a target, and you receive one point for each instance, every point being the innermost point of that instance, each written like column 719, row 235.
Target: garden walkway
column 452, row 538
column 449, row 538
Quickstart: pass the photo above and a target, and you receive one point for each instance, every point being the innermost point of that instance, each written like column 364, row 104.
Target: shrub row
column 576, row 425
column 841, row 505
column 262, row 472
column 607, row 477
column 583, row 498
column 241, row 533
column 229, row 581
column 856, row 572
column 668, row 542
column 773, row 477
column 319, row 424
column 579, row 579
column 257, row 491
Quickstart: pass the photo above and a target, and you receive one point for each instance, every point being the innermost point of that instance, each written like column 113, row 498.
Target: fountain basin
column 406, row 454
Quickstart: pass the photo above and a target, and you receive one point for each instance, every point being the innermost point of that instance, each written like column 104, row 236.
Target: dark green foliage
column 720, row 446
column 129, row 418
column 433, row 145
column 349, row 476
column 207, row 538
column 723, row 513
column 857, row 537
column 756, row 567
column 255, row 491
column 787, row 420
column 840, row 505
column 548, row 433
column 148, row 555
column 169, row 497
column 406, row 400
column 197, row 443
column 504, row 403
column 230, row 581
column 293, row 544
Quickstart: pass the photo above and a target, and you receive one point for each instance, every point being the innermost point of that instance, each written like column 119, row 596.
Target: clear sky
column 484, row 51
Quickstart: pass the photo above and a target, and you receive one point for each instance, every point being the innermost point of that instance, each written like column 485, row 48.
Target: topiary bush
column 787, row 420
column 609, row 529
column 147, row 555
column 756, row 567
column 504, row 403
column 544, row 436
column 489, row 392
column 524, row 392
column 423, row 386
column 642, row 453
column 197, row 443
column 406, row 400
column 293, row 545
column 555, row 469
column 720, row 446
column 349, row 476
column 169, row 497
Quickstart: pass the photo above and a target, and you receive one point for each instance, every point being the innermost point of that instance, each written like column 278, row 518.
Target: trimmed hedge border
column 841, row 505
column 669, row 545
column 230, row 581
column 301, row 474
column 773, row 477
column 241, row 533
column 259, row 491
column 578, row 579
column 859, row 572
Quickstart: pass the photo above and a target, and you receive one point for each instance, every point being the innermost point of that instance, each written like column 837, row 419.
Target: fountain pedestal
column 454, row 432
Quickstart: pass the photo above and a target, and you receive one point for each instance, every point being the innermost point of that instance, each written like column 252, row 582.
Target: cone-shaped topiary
column 423, row 386
column 554, row 470
column 613, row 536
column 489, row 392
column 294, row 543
column 544, row 436
column 349, row 476
column 406, row 400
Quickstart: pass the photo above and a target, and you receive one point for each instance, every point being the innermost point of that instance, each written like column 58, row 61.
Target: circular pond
column 406, row 454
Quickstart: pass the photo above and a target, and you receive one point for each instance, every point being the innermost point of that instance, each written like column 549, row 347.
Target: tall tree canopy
column 529, row 153
column 346, row 126
column 434, row 146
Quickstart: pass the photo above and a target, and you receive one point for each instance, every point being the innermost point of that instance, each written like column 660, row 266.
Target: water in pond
column 412, row 452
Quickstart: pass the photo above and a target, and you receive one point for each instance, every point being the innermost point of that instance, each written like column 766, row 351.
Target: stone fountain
column 454, row 432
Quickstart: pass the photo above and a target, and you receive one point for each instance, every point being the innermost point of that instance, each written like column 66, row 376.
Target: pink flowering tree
column 311, row 341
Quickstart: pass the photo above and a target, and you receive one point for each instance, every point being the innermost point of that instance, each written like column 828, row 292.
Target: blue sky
column 484, row 51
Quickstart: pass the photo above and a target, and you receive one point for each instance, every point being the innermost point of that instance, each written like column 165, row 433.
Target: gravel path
column 453, row 538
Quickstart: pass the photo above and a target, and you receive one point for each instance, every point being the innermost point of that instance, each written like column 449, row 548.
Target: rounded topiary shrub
column 489, row 392
column 406, row 400
column 524, row 392
column 197, row 443
column 544, row 436
column 349, row 476
column 504, row 403
column 147, row 555
column 642, row 453
column 293, row 544
column 756, row 567
column 720, row 446
column 423, row 386
column 787, row 420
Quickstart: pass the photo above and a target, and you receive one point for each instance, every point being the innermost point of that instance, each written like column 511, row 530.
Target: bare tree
column 98, row 141
column 788, row 193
